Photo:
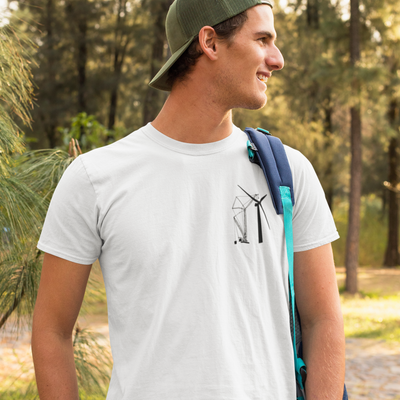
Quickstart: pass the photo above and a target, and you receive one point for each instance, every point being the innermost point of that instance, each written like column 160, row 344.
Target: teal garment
column 287, row 220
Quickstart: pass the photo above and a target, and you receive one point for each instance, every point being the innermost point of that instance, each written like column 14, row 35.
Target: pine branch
column 16, row 303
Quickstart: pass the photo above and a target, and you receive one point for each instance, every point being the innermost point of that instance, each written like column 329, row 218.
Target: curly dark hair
column 226, row 31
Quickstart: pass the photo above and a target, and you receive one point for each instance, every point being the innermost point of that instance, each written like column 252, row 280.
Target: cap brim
column 160, row 80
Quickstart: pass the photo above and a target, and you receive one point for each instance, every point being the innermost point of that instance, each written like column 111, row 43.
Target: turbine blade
column 249, row 195
column 265, row 215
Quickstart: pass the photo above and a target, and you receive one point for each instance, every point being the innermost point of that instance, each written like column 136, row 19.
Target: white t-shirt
column 197, row 307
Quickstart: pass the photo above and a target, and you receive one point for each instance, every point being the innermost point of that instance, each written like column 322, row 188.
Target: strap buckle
column 251, row 148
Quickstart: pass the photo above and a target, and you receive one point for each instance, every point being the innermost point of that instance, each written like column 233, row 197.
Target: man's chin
column 257, row 104
column 252, row 103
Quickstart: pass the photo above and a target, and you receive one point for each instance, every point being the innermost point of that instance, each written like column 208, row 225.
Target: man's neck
column 192, row 117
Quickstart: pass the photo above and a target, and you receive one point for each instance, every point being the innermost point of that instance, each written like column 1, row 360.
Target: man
column 198, row 307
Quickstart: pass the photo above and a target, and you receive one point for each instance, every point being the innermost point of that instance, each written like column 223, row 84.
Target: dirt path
column 372, row 369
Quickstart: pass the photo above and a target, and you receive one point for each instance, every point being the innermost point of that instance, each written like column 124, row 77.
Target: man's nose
column 275, row 59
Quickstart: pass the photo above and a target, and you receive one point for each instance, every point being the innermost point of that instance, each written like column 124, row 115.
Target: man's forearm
column 324, row 355
column 53, row 358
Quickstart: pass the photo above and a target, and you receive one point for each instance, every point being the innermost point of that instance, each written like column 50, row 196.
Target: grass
column 32, row 395
column 372, row 317
column 374, row 313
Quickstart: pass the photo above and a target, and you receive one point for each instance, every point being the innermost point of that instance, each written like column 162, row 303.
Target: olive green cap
column 184, row 21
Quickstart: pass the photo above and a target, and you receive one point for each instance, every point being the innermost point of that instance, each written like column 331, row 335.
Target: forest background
column 92, row 61
column 79, row 70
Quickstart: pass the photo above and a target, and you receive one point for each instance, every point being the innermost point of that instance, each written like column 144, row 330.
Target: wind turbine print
column 259, row 206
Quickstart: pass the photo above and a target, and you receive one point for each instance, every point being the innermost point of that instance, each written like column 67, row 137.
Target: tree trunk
column 82, row 56
column 153, row 99
column 392, row 257
column 313, row 13
column 114, row 91
column 328, row 127
column 121, row 41
column 77, row 14
column 353, row 232
column 50, row 125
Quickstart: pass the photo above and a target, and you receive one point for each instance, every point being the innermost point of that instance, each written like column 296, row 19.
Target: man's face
column 248, row 61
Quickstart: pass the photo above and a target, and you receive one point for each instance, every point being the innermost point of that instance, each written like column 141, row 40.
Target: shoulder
column 107, row 155
column 122, row 155
column 296, row 158
column 300, row 166
column 306, row 183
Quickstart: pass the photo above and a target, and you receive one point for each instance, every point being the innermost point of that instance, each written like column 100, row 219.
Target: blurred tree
column 77, row 13
column 97, row 56
column 44, row 22
column 383, row 20
column 90, row 51
column 154, row 98
column 353, row 231
column 392, row 257
column 122, row 36
column 312, row 38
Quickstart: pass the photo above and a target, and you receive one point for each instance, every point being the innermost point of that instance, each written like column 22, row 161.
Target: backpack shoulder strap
column 269, row 153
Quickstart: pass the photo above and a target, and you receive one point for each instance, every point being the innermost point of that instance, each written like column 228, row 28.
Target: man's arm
column 318, row 303
column 61, row 290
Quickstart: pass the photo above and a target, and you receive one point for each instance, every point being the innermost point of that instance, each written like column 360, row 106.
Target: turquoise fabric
column 250, row 150
column 287, row 220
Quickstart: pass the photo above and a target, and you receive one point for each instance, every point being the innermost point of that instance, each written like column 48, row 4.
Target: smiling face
column 246, row 64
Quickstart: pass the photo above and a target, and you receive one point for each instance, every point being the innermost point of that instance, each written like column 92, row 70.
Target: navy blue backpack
column 268, row 152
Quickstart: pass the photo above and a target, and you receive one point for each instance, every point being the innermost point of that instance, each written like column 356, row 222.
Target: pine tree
column 353, row 232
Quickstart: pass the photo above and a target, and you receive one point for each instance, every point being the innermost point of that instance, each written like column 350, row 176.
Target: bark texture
column 49, row 123
column 154, row 98
column 122, row 39
column 392, row 257
column 353, row 232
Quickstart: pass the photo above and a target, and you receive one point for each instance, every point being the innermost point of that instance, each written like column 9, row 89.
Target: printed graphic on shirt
column 240, row 216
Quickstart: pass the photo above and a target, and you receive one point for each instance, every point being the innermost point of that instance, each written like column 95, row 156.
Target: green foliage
column 92, row 360
column 15, row 91
column 26, row 184
column 19, row 280
column 42, row 170
column 372, row 233
column 86, row 49
column 89, row 132
column 21, row 209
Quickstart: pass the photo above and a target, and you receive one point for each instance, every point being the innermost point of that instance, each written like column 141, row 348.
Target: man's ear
column 208, row 42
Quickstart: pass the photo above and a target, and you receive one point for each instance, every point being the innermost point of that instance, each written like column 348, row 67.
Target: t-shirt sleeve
column 313, row 223
column 70, row 229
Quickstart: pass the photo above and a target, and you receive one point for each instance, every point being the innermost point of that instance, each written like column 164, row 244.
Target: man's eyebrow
column 268, row 34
